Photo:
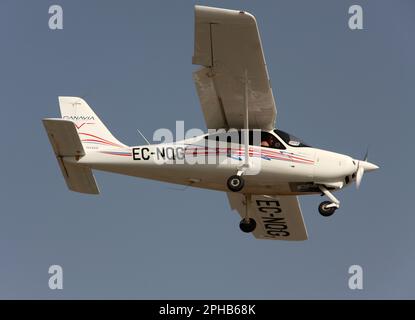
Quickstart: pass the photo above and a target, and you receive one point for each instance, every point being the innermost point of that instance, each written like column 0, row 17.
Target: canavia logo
column 78, row 118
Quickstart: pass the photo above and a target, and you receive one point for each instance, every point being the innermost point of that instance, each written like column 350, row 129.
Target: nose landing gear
column 327, row 208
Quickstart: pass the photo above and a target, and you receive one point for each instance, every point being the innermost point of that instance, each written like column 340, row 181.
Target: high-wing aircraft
column 262, row 169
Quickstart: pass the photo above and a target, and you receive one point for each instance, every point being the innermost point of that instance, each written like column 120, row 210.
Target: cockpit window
column 257, row 138
column 290, row 139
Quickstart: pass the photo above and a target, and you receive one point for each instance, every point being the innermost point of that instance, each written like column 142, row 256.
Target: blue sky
column 337, row 89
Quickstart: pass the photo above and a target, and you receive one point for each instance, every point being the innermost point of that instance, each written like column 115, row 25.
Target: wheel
column 324, row 211
column 235, row 183
column 247, row 226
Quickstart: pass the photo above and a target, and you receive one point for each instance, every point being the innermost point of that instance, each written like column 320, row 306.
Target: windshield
column 290, row 139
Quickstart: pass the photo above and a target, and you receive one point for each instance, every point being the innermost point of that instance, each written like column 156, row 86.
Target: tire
column 247, row 227
column 326, row 212
column 235, row 183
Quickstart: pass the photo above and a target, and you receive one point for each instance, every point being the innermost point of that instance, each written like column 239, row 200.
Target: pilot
column 264, row 143
column 271, row 142
column 268, row 141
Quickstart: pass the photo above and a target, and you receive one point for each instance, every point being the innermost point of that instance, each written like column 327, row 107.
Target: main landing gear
column 327, row 208
column 235, row 183
column 247, row 224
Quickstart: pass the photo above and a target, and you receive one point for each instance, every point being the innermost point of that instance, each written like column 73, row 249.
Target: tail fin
column 92, row 132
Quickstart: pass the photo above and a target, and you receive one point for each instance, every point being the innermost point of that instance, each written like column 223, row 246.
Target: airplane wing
column 277, row 217
column 227, row 44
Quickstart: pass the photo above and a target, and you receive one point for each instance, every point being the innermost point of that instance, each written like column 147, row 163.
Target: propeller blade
column 359, row 175
column 366, row 154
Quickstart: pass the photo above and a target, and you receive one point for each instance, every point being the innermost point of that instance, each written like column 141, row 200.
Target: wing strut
column 245, row 165
column 236, row 182
column 246, row 121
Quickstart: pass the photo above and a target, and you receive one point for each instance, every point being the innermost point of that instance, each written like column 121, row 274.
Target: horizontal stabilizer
column 64, row 137
column 78, row 178
column 65, row 142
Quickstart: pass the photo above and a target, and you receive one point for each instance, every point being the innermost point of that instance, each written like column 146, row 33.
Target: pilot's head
column 274, row 142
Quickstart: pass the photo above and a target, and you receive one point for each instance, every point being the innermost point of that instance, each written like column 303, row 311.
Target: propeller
column 362, row 166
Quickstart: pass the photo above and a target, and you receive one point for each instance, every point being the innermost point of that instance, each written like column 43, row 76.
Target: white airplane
column 262, row 179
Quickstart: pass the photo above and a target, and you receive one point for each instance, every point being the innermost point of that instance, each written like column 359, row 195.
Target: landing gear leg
column 327, row 208
column 247, row 224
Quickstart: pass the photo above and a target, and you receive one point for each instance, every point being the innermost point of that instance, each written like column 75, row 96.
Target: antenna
column 142, row 135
